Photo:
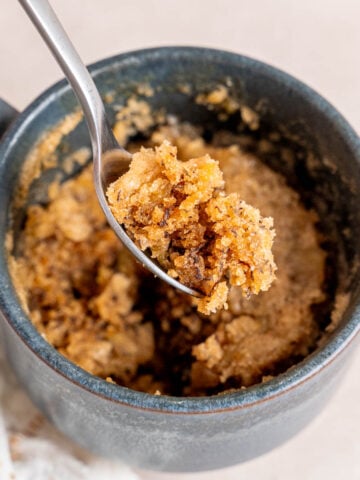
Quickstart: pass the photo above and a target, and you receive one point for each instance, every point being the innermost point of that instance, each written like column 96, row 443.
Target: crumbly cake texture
column 201, row 236
column 100, row 309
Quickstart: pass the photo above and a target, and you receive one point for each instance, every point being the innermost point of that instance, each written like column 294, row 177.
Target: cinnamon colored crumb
column 77, row 301
column 89, row 298
column 205, row 238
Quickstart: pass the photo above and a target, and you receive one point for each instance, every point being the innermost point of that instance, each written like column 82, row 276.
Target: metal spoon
column 110, row 159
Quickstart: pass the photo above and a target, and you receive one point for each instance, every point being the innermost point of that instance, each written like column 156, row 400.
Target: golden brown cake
column 205, row 238
column 90, row 299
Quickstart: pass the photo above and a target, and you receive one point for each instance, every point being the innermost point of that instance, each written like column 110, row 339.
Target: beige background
column 318, row 41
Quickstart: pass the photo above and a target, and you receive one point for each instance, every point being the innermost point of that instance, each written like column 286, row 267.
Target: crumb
column 88, row 297
column 201, row 236
column 145, row 90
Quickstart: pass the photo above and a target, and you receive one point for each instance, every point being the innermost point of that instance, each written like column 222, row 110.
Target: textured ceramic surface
column 178, row 434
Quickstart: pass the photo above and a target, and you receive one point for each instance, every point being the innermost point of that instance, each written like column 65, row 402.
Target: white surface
column 316, row 40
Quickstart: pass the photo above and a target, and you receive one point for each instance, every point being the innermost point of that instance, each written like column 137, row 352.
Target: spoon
column 109, row 158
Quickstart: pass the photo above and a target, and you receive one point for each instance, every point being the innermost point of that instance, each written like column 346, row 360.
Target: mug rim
column 280, row 384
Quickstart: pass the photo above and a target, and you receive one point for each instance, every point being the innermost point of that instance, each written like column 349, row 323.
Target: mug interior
column 323, row 167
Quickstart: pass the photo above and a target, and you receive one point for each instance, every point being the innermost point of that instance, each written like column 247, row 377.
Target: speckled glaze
column 192, row 434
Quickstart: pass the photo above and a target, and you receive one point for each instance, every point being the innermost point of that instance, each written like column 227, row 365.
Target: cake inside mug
column 98, row 307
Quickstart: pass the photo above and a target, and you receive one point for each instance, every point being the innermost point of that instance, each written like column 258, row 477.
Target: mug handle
column 7, row 115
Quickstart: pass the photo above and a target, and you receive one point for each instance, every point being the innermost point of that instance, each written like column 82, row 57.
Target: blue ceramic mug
column 191, row 434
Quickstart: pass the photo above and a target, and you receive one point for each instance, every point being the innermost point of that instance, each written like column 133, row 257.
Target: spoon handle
column 102, row 138
column 46, row 22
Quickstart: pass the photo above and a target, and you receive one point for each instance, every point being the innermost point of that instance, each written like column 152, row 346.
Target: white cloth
column 32, row 449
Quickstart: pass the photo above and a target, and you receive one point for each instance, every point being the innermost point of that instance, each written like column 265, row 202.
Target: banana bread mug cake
column 89, row 298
